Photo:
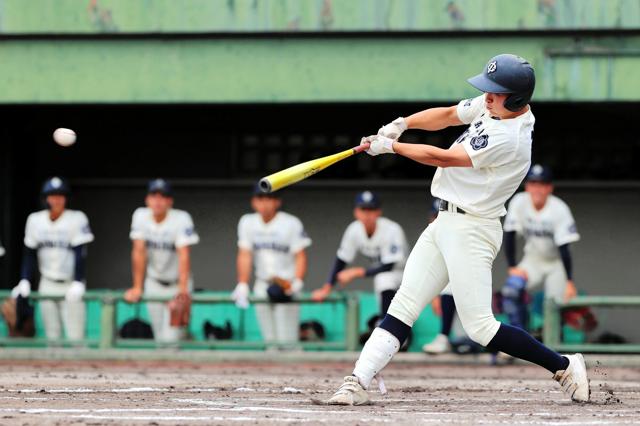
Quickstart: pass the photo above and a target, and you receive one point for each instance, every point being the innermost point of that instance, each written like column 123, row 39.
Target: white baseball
column 64, row 137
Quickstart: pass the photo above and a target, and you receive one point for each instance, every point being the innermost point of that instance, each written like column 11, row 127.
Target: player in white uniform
column 474, row 179
column 274, row 242
column 55, row 242
column 161, row 258
column 548, row 228
column 1, row 250
column 381, row 241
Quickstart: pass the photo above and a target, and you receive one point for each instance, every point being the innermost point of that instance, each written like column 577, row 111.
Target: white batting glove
column 75, row 292
column 22, row 289
column 296, row 286
column 379, row 145
column 241, row 295
column 394, row 129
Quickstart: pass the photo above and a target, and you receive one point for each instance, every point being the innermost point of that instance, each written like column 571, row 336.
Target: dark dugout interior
column 127, row 144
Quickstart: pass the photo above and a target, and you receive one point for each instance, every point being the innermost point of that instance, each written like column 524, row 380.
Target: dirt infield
column 164, row 393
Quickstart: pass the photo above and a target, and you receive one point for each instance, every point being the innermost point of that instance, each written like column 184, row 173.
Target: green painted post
column 107, row 322
column 551, row 329
column 351, row 322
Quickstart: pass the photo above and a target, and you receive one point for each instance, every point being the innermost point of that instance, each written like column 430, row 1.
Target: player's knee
column 481, row 329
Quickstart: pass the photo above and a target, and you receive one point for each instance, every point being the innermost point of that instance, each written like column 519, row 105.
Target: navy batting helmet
column 55, row 186
column 507, row 73
column 538, row 173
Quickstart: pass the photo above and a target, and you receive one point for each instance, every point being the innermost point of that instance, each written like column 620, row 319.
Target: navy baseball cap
column 538, row 173
column 159, row 186
column 259, row 192
column 55, row 186
column 368, row 200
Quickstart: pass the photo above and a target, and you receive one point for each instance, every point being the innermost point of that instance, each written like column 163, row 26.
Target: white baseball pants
column 458, row 249
column 55, row 314
column 159, row 314
column 279, row 322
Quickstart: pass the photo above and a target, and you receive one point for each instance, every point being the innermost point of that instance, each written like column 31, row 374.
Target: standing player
column 161, row 258
column 55, row 242
column 474, row 179
column 275, row 242
column 380, row 240
column 1, row 250
column 548, row 227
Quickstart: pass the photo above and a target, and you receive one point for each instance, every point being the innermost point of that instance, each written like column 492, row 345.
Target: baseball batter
column 381, row 241
column 548, row 228
column 55, row 242
column 474, row 179
column 274, row 242
column 161, row 258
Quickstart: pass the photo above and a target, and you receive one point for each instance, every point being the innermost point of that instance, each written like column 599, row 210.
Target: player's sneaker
column 349, row 393
column 574, row 379
column 439, row 345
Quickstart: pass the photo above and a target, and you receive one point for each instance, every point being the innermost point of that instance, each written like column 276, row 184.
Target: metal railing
column 108, row 325
column 552, row 328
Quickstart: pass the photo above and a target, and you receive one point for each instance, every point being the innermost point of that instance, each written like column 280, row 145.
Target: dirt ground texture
column 244, row 393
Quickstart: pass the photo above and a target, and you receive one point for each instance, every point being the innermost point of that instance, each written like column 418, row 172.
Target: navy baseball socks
column 569, row 370
column 520, row 344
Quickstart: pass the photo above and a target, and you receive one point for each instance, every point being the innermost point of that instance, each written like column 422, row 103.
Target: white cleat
column 439, row 345
column 349, row 393
column 574, row 379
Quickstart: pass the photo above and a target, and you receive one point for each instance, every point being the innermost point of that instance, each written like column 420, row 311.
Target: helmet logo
column 56, row 182
column 367, row 196
column 491, row 67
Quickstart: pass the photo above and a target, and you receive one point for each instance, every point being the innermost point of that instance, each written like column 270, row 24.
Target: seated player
column 275, row 242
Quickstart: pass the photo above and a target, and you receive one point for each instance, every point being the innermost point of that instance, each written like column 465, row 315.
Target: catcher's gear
column 180, row 310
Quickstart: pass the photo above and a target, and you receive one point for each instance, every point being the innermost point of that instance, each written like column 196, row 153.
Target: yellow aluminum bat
column 302, row 171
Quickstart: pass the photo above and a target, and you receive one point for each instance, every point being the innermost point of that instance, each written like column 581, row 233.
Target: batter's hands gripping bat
column 302, row 171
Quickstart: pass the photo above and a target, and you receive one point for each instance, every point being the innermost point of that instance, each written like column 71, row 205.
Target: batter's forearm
column 243, row 265
column 433, row 119
column 424, row 154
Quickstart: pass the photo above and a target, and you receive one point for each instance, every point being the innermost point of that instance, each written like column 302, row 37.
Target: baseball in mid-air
column 64, row 137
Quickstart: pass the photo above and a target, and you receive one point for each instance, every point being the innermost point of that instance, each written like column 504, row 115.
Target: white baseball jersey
column 273, row 244
column 500, row 151
column 55, row 241
column 387, row 244
column 545, row 230
column 162, row 239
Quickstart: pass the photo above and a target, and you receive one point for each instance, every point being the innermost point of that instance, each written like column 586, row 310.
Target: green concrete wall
column 197, row 16
column 306, row 69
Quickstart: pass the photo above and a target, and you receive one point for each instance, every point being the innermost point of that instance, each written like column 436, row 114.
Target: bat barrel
column 264, row 185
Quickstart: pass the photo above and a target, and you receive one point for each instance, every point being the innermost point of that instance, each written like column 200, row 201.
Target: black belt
column 444, row 207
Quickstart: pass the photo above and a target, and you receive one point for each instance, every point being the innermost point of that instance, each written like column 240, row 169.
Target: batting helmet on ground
column 507, row 73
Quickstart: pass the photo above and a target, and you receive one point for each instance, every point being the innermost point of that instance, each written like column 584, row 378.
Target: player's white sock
column 375, row 355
